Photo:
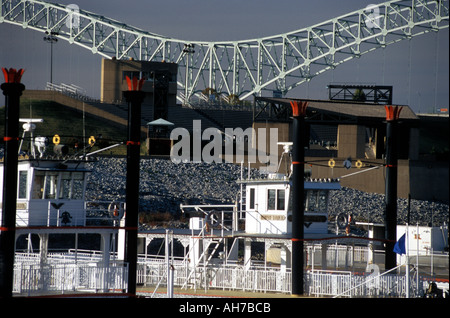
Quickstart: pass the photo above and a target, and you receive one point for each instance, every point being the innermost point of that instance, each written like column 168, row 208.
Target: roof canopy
column 160, row 122
column 330, row 112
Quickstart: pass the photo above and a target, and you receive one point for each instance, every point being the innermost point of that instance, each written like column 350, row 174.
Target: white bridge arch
column 239, row 68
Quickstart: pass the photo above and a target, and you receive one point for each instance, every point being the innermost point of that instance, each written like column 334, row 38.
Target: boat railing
column 160, row 259
column 217, row 218
column 385, row 284
column 69, row 256
column 104, row 213
column 69, row 277
column 218, row 277
column 55, row 214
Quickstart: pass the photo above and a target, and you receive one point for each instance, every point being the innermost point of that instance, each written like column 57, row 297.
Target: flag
column 399, row 246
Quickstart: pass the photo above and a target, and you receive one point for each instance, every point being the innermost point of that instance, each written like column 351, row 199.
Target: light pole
column 187, row 50
column 51, row 38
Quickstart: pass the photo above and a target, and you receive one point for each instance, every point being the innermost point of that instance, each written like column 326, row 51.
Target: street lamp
column 51, row 38
column 187, row 50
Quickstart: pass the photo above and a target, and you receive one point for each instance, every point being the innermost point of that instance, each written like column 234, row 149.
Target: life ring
column 347, row 229
column 91, row 141
column 212, row 219
column 358, row 164
column 331, row 163
column 56, row 139
column 342, row 220
column 115, row 210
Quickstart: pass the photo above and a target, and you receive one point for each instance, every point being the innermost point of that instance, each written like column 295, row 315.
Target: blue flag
column 399, row 246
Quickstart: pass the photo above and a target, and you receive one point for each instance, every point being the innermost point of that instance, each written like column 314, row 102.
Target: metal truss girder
column 240, row 68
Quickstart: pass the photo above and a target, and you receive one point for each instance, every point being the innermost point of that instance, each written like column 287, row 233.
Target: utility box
column 196, row 223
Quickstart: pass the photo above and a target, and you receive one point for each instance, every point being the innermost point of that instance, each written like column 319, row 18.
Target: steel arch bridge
column 238, row 69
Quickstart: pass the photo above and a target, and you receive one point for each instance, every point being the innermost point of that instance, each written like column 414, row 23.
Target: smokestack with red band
column 12, row 89
column 134, row 97
column 392, row 116
column 298, row 194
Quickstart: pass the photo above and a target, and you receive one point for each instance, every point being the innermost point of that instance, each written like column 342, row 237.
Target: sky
column 418, row 69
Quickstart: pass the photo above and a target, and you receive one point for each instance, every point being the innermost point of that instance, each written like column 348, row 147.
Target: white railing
column 337, row 256
column 71, row 90
column 69, row 277
column 254, row 280
column 320, row 283
column 346, row 284
column 71, row 256
column 62, row 276
column 227, row 278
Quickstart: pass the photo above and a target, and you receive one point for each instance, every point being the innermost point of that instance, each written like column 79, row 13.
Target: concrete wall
column 351, row 141
column 429, row 180
column 424, row 180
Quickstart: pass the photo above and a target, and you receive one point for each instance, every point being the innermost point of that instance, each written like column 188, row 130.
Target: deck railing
column 319, row 283
column 64, row 278
column 61, row 278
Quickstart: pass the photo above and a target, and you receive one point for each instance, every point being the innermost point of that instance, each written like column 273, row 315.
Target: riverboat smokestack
column 134, row 97
column 392, row 116
column 298, row 194
column 12, row 89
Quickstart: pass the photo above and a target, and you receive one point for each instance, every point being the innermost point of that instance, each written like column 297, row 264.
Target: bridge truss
column 240, row 69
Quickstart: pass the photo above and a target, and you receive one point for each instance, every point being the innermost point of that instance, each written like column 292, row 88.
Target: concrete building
column 160, row 84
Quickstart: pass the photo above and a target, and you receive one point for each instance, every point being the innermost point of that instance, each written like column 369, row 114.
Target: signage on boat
column 21, row 205
column 272, row 217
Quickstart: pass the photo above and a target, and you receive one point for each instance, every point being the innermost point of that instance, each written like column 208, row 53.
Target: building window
column 275, row 199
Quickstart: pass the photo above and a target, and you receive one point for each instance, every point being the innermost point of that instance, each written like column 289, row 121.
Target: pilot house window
column 252, row 198
column 23, row 177
column 71, row 185
column 316, row 201
column 275, row 199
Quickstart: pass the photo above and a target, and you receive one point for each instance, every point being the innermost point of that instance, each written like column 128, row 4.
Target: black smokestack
column 298, row 194
column 12, row 89
column 134, row 97
column 392, row 115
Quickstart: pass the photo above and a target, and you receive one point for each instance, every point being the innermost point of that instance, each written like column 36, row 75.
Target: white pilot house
column 269, row 205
